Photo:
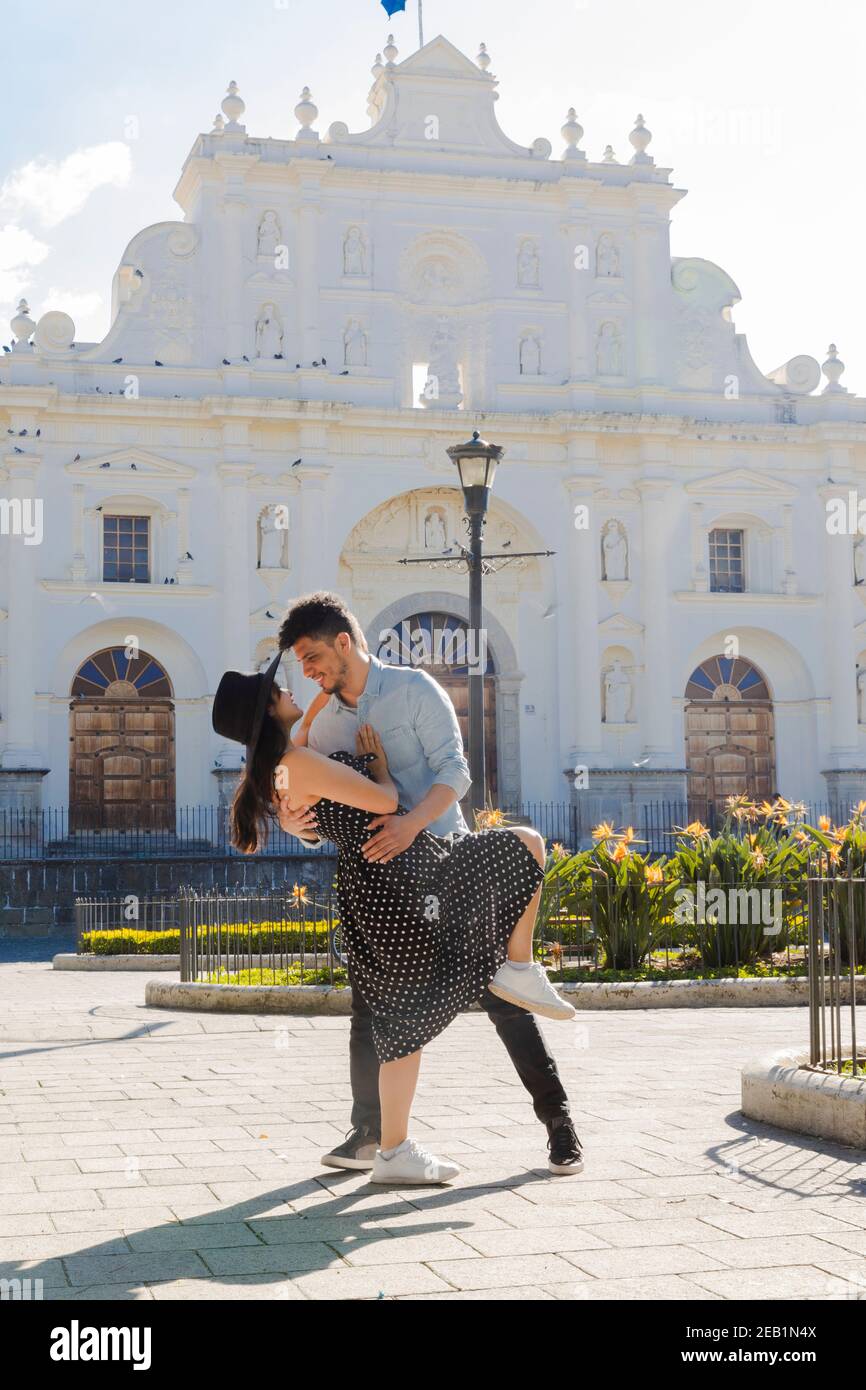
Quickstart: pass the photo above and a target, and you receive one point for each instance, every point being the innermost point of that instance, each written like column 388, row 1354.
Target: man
column 418, row 727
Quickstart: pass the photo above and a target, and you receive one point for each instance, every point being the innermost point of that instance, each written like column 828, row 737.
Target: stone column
column 308, row 273
column 317, row 565
column 657, row 712
column 236, row 551
column 22, row 766
column 839, row 630
column 652, row 279
column 236, row 334
column 582, row 711
column 578, row 235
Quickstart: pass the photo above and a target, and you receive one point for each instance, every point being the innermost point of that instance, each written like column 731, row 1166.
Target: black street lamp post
column 476, row 462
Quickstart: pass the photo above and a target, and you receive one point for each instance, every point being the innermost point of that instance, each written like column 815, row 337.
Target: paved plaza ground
column 149, row 1154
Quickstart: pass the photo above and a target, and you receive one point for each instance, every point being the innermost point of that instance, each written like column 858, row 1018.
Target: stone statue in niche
column 530, row 355
column 528, row 264
column 860, row 560
column 354, row 345
column 269, row 332
column 269, row 235
column 434, row 532
column 617, row 694
column 443, row 378
column 608, row 350
column 354, row 253
column 606, row 256
column 614, row 551
column 273, row 538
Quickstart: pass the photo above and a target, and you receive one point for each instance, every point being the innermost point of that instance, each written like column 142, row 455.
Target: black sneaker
column 565, row 1151
column 357, row 1151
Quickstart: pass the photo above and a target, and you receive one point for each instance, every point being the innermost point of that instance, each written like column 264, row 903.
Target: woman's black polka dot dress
column 426, row 932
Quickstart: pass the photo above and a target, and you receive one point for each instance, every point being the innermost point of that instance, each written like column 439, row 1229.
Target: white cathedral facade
column 269, row 413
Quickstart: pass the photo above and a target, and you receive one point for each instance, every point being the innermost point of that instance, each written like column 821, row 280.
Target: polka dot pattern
column 426, row 932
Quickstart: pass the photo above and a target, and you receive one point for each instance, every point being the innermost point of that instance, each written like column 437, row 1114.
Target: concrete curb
column 249, row 999
column 642, row 994
column 70, row 961
column 783, row 1090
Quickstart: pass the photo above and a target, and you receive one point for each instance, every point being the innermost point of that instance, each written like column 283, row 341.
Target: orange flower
column 621, row 852
column 300, row 894
column 654, row 874
column 490, row 819
column 824, row 822
column 604, row 831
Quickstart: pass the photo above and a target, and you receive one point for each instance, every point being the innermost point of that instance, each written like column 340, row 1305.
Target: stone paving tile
column 648, row 1287
column 544, row 1240
column 650, row 1260
column 495, row 1271
column 201, row 1237
column 423, row 1247
column 766, row 1251
column 791, row 1281
column 268, row 1287
column 380, row 1281
column 134, row 1267
column 516, row 1295
column 778, row 1223
column 51, row 1272
column 271, row 1259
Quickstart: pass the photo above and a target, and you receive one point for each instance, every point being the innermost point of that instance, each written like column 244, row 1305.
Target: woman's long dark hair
column 253, row 804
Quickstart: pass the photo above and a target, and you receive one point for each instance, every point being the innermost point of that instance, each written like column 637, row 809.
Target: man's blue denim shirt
column 418, row 727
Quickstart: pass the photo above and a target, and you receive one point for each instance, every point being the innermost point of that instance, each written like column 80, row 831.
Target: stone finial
column 22, row 326
column 483, row 58
column 218, row 124
column 639, row 139
column 833, row 369
column 572, row 134
column 391, row 49
column 233, row 106
column 306, row 112
column 378, row 68
column 609, row 157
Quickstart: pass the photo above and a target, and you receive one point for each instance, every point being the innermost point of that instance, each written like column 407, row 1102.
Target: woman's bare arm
column 310, row 776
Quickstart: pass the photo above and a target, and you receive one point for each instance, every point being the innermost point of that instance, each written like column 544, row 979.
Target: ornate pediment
column 618, row 625
column 138, row 463
column 743, row 483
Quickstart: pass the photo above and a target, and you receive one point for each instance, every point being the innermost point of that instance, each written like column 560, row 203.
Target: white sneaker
column 414, row 1166
column 531, row 989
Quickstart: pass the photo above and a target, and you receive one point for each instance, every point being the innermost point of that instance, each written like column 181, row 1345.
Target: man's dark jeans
column 517, row 1028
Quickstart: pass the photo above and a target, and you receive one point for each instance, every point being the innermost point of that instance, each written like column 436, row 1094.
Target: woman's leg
column 520, row 940
column 397, row 1082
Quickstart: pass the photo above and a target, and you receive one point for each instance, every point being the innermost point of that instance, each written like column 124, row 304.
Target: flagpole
column 420, row 23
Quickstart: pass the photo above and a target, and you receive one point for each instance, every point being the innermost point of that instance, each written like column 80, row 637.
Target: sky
column 756, row 105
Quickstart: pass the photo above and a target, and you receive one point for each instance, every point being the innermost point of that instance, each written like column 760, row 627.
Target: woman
column 425, row 932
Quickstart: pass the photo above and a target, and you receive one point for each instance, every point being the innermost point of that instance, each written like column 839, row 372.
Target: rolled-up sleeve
column 435, row 723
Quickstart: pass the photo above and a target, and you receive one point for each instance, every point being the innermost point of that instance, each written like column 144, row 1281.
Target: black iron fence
column 199, row 832
column 837, row 955
column 600, row 930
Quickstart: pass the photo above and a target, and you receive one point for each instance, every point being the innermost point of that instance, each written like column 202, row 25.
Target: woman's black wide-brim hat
column 241, row 703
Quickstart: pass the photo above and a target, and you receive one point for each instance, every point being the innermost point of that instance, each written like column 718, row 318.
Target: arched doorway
column 443, row 646
column 730, row 745
column 121, row 744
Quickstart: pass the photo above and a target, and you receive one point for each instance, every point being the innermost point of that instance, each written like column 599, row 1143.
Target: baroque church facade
column 269, row 414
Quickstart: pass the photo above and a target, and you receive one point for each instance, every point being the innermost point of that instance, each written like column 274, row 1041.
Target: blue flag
column 392, row 6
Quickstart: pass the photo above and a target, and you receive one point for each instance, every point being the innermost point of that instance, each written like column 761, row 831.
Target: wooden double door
column 729, row 751
column 121, row 766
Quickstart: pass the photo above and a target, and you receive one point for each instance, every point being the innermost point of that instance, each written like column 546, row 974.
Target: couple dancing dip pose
column 434, row 917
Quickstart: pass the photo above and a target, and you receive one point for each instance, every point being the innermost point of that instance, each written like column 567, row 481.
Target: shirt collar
column 372, row 688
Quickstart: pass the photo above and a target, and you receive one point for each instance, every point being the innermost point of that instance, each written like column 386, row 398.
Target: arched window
column 137, row 674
